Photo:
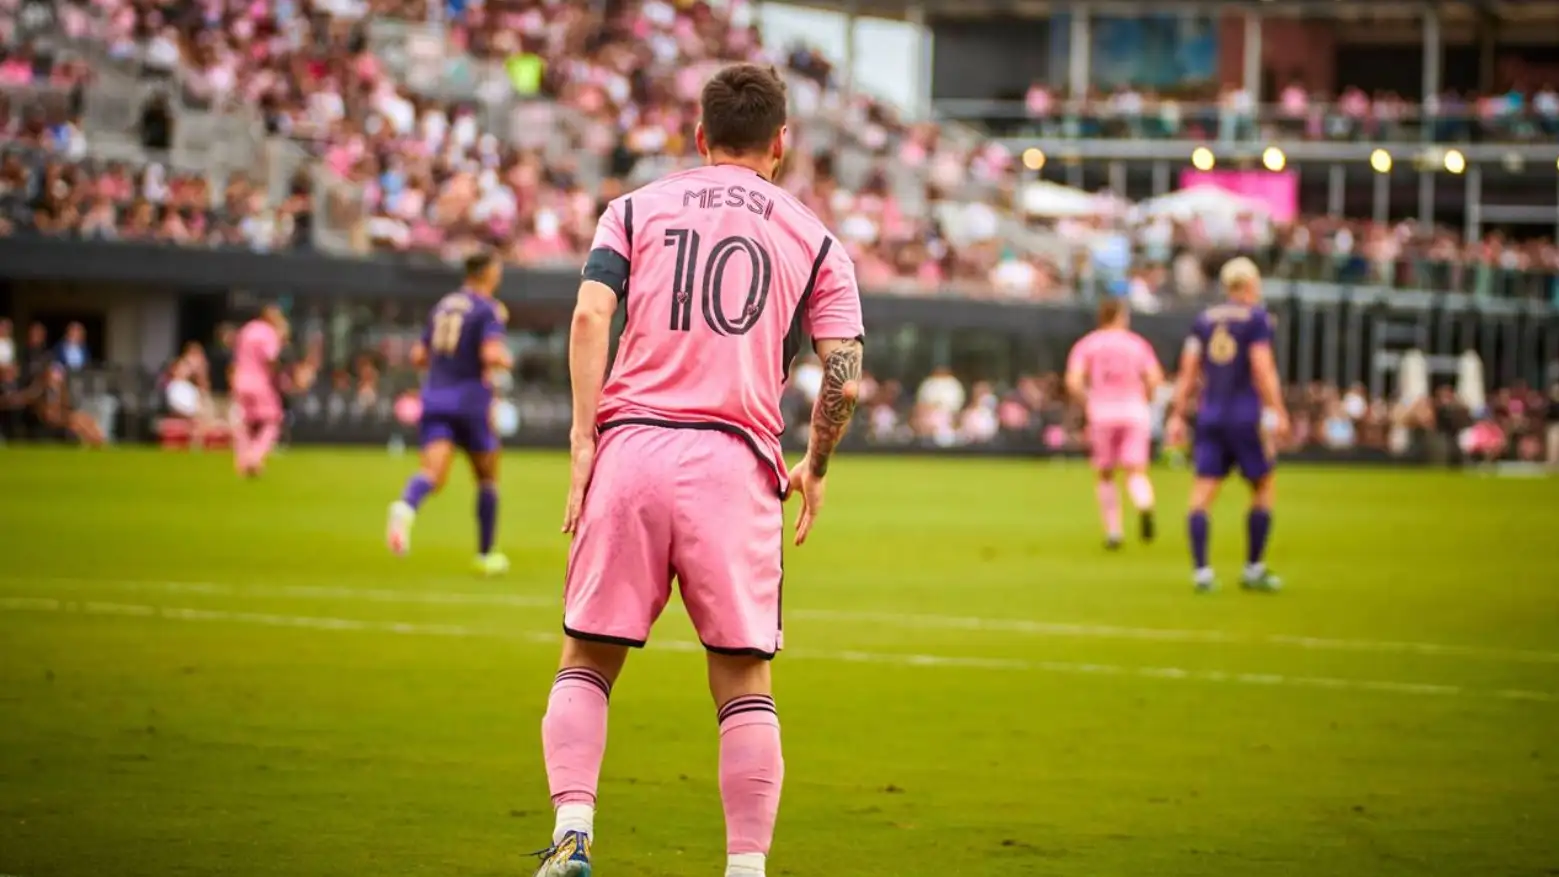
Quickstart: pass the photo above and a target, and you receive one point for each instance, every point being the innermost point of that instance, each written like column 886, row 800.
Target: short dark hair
column 478, row 262
column 1109, row 310
column 743, row 109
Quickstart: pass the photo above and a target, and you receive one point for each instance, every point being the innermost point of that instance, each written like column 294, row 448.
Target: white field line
column 311, row 622
column 922, row 622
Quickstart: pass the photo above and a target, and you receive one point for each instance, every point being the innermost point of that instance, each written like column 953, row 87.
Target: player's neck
column 762, row 166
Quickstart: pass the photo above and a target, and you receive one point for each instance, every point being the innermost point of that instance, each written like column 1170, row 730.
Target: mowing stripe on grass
column 312, row 622
column 923, row 622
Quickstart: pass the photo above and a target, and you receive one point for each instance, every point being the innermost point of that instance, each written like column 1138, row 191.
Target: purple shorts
column 472, row 432
column 1220, row 447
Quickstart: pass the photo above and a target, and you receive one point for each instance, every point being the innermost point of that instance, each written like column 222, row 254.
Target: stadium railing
column 1209, row 120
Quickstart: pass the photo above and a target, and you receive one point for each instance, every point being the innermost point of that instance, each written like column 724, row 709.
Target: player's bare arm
column 836, row 401
column 1076, row 385
column 831, row 416
column 1152, row 377
column 419, row 355
column 589, row 342
column 1185, row 385
column 1264, row 372
column 495, row 355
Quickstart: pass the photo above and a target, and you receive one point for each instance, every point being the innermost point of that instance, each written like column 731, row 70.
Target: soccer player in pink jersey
column 720, row 273
column 257, row 401
column 1115, row 370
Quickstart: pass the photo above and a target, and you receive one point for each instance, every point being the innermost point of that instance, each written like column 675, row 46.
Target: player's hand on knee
column 582, row 452
column 811, row 488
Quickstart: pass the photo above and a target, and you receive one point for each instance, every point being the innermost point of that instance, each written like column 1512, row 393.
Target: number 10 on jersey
column 707, row 281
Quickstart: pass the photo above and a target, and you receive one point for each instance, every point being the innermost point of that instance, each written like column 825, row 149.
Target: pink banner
column 1278, row 191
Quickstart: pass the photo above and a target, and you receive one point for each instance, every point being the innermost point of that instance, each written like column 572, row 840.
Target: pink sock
column 752, row 770
column 264, row 439
column 573, row 735
column 1141, row 491
column 1109, row 506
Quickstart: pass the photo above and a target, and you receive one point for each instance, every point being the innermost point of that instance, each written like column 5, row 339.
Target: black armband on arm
column 608, row 268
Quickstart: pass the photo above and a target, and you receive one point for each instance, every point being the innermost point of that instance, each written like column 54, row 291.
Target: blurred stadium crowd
column 1519, row 423
column 925, row 212
column 39, row 399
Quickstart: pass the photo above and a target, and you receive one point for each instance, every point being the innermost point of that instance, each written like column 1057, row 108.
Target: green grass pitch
column 202, row 676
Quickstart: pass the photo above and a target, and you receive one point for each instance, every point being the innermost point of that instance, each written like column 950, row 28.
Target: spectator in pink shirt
column 16, row 69
column 1039, row 104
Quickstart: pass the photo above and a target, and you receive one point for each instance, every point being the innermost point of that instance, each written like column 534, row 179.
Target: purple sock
column 1199, row 537
column 486, row 516
column 417, row 490
column 1258, row 524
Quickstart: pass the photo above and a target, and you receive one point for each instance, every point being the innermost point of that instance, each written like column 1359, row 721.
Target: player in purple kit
column 1230, row 352
column 460, row 347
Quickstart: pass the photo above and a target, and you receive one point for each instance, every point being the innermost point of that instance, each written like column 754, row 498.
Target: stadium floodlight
column 1034, row 158
column 1273, row 159
column 1380, row 160
column 1455, row 162
column 1202, row 158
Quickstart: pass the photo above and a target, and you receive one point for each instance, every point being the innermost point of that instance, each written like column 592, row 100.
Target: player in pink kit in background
column 257, row 401
column 677, row 468
column 1115, row 370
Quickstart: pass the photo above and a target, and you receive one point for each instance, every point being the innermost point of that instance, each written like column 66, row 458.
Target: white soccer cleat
column 1205, row 581
column 398, row 530
column 493, row 564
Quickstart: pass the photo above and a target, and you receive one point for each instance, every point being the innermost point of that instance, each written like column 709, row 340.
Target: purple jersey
column 457, row 328
column 1223, row 336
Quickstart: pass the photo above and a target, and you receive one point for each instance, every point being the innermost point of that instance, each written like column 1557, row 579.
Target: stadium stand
column 372, row 146
column 394, row 129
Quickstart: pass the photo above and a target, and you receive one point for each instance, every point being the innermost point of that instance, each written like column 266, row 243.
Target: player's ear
column 700, row 142
column 777, row 148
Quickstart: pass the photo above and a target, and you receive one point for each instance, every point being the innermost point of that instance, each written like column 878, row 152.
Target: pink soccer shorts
column 257, row 407
column 695, row 504
column 1120, row 445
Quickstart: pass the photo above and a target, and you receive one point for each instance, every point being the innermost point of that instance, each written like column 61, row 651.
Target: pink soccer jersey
column 255, row 350
column 721, row 262
column 1116, row 363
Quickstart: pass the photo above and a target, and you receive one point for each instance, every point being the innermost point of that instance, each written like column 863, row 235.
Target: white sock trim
column 574, row 817
column 744, row 864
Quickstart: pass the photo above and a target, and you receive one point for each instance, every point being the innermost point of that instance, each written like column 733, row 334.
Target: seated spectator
column 156, row 124
column 36, row 357
column 188, row 393
column 15, row 398
column 59, row 417
column 72, row 354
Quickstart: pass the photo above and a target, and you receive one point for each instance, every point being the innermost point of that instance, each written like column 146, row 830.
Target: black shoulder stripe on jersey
column 608, row 267
column 796, row 336
column 628, row 222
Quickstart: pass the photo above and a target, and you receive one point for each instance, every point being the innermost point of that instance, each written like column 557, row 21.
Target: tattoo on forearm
column 831, row 415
